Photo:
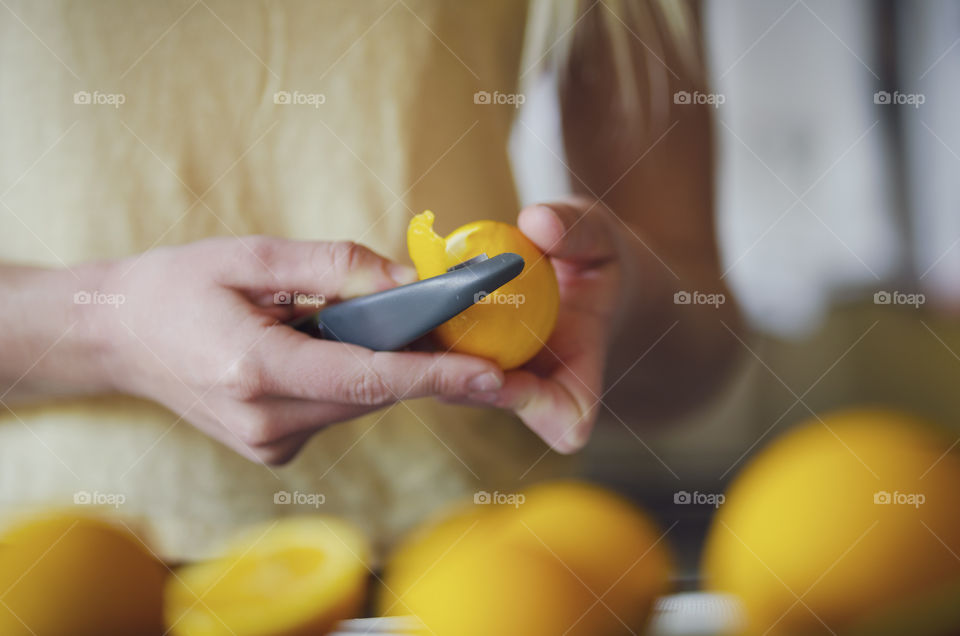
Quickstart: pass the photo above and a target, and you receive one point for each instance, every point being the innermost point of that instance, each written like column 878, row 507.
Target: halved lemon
column 297, row 576
column 511, row 324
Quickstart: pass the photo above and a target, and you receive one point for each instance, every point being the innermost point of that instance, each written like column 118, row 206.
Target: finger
column 547, row 407
column 233, row 431
column 334, row 269
column 561, row 408
column 294, row 365
column 276, row 454
column 272, row 430
column 576, row 232
column 270, row 420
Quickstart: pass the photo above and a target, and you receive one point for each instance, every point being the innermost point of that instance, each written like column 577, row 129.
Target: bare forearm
column 650, row 161
column 668, row 354
column 48, row 348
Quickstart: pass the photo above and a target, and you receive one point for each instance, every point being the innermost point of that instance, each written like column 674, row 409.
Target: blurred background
column 838, row 219
column 839, row 222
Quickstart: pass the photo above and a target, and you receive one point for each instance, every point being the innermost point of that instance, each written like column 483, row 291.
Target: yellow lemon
column 297, row 576
column 502, row 591
column 67, row 574
column 611, row 545
column 512, row 324
column 849, row 525
column 457, row 529
column 558, row 534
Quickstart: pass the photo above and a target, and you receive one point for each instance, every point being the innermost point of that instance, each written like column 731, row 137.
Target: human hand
column 557, row 394
column 199, row 331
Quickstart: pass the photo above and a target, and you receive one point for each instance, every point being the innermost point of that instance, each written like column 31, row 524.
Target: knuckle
column 243, row 379
column 259, row 249
column 256, row 430
column 368, row 389
column 348, row 256
column 434, row 381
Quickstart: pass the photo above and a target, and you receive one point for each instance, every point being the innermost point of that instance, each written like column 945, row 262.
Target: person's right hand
column 199, row 331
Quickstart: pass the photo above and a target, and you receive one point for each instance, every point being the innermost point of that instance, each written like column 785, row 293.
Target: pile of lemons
column 572, row 559
column 848, row 524
column 66, row 574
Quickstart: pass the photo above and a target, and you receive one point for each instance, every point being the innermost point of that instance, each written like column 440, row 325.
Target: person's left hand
column 557, row 394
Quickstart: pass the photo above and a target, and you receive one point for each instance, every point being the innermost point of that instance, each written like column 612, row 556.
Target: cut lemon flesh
column 297, row 576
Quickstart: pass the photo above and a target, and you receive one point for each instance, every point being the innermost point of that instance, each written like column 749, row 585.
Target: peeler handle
column 391, row 319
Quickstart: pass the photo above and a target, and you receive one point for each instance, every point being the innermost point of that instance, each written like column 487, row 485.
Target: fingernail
column 402, row 274
column 576, row 438
column 485, row 382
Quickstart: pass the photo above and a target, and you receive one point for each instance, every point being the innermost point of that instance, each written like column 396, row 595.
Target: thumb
column 335, row 269
column 576, row 230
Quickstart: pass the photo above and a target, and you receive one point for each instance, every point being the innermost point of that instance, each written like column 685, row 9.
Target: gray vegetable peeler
column 391, row 319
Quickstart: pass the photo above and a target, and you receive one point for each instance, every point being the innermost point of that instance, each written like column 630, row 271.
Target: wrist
column 94, row 304
column 52, row 347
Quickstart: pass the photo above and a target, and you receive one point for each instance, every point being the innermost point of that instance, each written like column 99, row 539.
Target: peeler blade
column 479, row 258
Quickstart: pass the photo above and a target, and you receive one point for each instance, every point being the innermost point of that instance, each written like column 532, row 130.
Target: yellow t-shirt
column 128, row 125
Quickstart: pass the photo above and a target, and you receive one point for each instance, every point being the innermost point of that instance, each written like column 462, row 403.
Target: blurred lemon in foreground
column 455, row 530
column 503, row 592
column 611, row 545
column 296, row 576
column 512, row 323
column 547, row 555
column 858, row 517
column 68, row 574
